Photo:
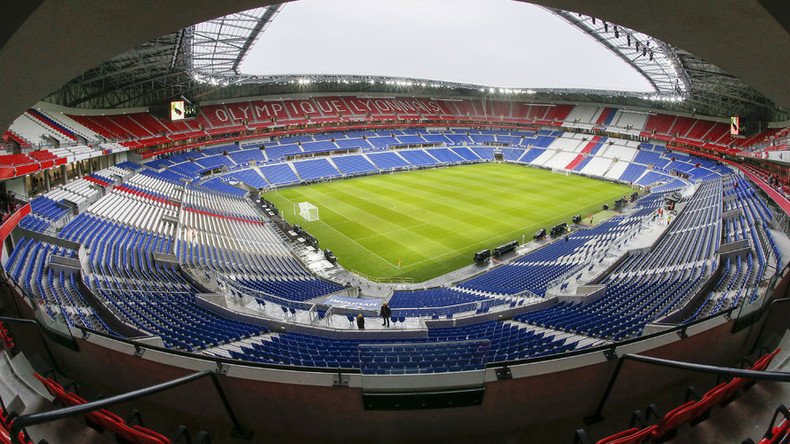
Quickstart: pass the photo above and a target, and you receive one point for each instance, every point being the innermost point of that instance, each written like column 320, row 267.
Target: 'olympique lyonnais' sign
column 260, row 110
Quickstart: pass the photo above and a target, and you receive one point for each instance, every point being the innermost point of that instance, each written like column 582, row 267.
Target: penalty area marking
column 346, row 236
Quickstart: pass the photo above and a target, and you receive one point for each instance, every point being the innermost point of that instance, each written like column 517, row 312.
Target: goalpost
column 561, row 171
column 308, row 211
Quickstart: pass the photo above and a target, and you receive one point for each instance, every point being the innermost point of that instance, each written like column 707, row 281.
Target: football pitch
column 421, row 224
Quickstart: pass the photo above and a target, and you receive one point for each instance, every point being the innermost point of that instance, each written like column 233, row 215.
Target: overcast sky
column 500, row 43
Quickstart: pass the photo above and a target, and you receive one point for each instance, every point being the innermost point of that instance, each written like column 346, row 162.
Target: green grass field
column 432, row 221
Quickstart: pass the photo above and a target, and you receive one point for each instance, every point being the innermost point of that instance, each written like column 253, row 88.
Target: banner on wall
column 353, row 303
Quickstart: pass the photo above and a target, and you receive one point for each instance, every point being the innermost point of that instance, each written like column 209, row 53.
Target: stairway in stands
column 748, row 416
column 584, row 152
column 24, row 394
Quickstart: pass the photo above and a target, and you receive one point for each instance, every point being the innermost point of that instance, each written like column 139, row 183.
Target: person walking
column 385, row 313
column 360, row 321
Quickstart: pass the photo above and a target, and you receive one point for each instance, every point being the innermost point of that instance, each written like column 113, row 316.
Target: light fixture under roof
column 387, row 39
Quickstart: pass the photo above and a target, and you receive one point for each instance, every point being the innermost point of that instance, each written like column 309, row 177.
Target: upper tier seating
column 38, row 130
column 692, row 412
column 120, row 132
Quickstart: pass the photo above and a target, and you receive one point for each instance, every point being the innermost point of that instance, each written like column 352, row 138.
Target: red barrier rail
column 11, row 223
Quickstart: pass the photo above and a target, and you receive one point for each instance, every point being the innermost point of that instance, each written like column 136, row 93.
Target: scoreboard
column 182, row 109
column 735, row 126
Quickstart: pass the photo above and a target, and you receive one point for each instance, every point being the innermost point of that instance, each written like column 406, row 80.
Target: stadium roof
column 202, row 62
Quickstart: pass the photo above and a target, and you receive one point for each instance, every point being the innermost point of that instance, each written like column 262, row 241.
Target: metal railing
column 386, row 279
column 234, row 288
column 610, row 348
column 42, row 332
column 690, row 366
column 24, row 421
column 770, row 284
column 769, row 312
column 782, row 221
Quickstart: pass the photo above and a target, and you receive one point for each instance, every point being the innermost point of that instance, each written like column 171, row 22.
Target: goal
column 308, row 211
column 560, row 171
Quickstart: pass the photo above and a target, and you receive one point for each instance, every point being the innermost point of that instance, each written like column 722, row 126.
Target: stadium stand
column 388, row 161
column 159, row 232
column 279, row 174
column 418, row 158
column 433, row 302
column 138, row 255
column 102, row 419
column 56, row 294
column 216, row 237
column 219, row 233
column 670, row 280
column 142, row 129
column 250, row 177
column 351, row 165
column 434, row 354
column 315, row 169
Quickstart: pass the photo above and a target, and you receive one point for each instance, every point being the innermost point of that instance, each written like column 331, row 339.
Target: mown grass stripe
column 432, row 220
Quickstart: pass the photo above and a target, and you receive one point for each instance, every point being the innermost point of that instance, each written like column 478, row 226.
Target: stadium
column 196, row 251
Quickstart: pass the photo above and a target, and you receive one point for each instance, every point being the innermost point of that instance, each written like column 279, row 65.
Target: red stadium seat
column 6, row 422
column 760, row 365
column 764, row 361
column 104, row 418
column 676, row 417
column 778, row 433
column 53, row 388
column 5, row 437
column 149, row 435
column 126, row 433
column 7, row 339
column 718, row 394
column 630, row 436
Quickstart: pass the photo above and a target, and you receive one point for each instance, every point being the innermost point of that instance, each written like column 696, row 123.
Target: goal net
column 308, row 211
column 561, row 171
